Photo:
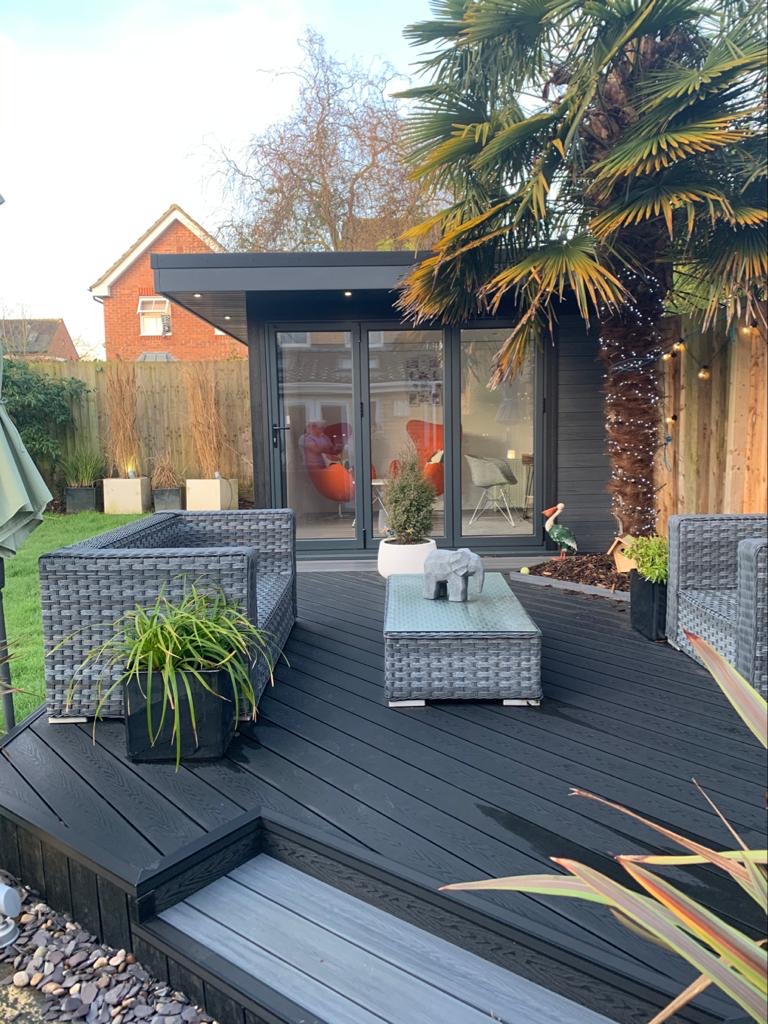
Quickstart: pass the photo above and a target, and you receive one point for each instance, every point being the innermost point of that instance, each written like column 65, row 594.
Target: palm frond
column 649, row 155
column 661, row 200
column 571, row 264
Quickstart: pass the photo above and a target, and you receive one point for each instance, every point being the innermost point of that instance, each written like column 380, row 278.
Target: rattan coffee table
column 487, row 648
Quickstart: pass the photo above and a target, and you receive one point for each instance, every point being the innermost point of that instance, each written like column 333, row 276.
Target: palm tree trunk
column 631, row 342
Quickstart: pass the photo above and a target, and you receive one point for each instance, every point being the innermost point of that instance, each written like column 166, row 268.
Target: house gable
column 148, row 242
column 135, row 325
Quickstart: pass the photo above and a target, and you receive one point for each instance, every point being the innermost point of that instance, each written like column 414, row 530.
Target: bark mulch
column 595, row 570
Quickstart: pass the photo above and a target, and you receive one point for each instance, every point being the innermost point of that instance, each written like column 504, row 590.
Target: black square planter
column 167, row 499
column 80, row 499
column 215, row 719
column 648, row 607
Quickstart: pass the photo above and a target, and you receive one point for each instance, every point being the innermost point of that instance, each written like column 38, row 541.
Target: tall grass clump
column 206, row 425
column 123, row 444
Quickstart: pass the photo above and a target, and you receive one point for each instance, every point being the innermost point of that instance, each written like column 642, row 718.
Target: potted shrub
column 408, row 499
column 82, row 468
column 648, row 586
column 185, row 672
column 211, row 491
column 129, row 491
column 166, row 484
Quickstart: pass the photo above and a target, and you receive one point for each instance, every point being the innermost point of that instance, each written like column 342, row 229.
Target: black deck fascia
column 445, row 793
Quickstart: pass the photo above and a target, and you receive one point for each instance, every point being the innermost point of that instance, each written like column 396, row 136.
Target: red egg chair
column 428, row 439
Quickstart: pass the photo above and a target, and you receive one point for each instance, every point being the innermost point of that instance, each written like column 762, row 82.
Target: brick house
column 37, row 339
column 141, row 325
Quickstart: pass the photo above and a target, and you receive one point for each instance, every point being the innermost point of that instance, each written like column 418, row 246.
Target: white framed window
column 154, row 316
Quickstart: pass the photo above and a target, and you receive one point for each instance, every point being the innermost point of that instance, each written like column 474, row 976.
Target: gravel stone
column 83, row 980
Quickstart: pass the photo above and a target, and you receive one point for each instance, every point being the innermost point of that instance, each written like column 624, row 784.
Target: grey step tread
column 395, row 971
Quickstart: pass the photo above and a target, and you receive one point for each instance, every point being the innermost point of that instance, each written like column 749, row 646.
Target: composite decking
column 448, row 792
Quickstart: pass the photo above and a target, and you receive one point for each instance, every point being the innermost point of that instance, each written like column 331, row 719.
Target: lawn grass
column 22, row 600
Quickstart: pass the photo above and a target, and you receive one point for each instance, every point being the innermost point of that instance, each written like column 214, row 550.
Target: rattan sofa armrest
column 83, row 591
column 752, row 621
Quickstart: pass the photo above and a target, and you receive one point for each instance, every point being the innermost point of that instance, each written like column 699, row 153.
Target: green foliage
column 616, row 150
column 40, row 407
column 171, row 643
column 660, row 912
column 409, row 500
column 83, row 467
column 652, row 557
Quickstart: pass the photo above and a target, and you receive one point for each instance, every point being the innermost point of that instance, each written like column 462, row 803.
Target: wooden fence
column 164, row 415
column 717, row 459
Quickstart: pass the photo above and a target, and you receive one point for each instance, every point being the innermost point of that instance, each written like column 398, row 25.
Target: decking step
column 347, row 962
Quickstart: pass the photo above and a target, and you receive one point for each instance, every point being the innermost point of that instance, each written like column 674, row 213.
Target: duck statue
column 560, row 534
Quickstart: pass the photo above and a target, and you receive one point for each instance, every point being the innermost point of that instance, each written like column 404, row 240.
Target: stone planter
column 211, row 495
column 126, row 496
column 215, row 720
column 648, row 607
column 80, row 499
column 395, row 559
column 167, row 499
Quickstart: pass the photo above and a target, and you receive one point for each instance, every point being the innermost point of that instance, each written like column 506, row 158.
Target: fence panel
column 164, row 416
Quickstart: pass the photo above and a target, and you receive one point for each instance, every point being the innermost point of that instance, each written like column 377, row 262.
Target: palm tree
column 614, row 150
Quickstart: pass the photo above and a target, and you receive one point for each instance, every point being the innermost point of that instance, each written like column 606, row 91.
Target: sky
column 111, row 110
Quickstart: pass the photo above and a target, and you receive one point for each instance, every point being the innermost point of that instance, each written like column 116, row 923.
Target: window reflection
column 497, row 462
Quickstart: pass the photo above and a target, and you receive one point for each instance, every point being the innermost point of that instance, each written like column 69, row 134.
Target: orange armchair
column 427, row 439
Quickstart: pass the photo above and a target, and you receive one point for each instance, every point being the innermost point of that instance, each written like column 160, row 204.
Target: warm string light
column 630, row 347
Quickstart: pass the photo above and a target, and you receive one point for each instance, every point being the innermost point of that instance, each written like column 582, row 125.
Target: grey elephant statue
column 446, row 573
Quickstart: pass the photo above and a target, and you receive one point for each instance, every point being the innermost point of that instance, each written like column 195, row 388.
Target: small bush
column 652, row 557
column 83, row 467
column 40, row 407
column 164, row 475
column 409, row 499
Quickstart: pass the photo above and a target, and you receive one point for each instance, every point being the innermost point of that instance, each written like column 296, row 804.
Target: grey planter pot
column 80, row 499
column 215, row 722
column 648, row 607
column 167, row 499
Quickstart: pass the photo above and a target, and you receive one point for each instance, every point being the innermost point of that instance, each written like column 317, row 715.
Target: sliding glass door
column 496, row 457
column 348, row 404
column 406, row 371
column 315, row 434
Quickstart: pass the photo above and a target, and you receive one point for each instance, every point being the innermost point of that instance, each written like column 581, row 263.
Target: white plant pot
column 395, row 559
column 127, row 496
column 211, row 495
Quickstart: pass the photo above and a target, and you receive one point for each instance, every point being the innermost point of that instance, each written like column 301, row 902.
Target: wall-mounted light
column 197, row 295
column 347, row 295
column 227, row 317
column 704, row 373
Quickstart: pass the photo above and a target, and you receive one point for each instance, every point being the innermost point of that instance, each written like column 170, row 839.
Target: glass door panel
column 497, row 437
column 318, row 434
column 406, row 375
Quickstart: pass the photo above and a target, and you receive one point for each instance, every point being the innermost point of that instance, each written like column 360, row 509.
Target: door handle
column 276, row 434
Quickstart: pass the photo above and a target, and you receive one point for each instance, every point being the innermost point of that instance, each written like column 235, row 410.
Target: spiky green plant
column 171, row 644
column 82, row 467
column 662, row 913
column 614, row 151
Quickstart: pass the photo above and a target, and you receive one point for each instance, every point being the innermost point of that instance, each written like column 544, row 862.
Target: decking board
column 338, row 947
column 451, row 791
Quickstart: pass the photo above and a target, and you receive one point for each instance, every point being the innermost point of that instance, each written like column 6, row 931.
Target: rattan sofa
column 248, row 554
column 718, row 588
